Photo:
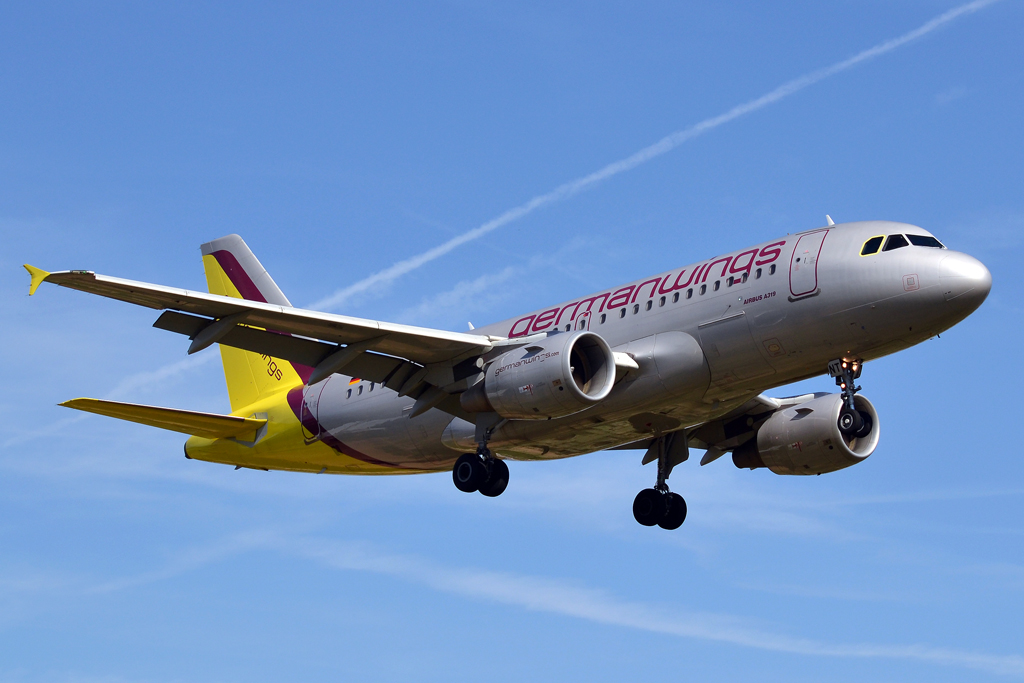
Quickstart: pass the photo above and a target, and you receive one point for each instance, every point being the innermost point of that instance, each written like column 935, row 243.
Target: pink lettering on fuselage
column 742, row 262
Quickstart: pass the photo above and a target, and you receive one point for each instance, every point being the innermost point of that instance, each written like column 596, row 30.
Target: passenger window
column 661, row 302
column 771, row 271
column 689, row 293
column 568, row 327
column 675, row 297
column 703, row 288
column 757, row 275
column 636, row 308
column 925, row 241
column 745, row 277
column 718, row 283
column 371, row 386
column 360, row 392
column 349, row 394
column 895, row 242
column 622, row 313
column 728, row 283
column 872, row 245
column 650, row 302
column 604, row 316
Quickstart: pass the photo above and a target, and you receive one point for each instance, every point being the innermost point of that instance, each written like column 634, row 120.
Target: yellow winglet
column 38, row 276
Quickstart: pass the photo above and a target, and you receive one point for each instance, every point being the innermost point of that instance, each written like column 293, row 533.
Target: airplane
column 674, row 361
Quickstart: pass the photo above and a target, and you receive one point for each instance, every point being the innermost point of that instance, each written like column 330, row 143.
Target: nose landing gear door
column 803, row 265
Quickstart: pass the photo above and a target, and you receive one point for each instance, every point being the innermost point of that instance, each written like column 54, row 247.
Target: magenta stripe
column 239, row 278
column 295, row 403
column 249, row 291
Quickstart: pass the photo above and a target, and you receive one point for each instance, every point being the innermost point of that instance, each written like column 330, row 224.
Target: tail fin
column 233, row 270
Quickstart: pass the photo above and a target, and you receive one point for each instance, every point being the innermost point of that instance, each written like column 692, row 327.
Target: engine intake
column 805, row 439
column 557, row 376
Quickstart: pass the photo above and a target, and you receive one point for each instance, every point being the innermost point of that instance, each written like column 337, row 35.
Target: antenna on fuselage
column 471, row 328
column 829, row 219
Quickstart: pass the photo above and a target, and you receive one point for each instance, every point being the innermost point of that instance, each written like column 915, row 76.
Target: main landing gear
column 481, row 471
column 852, row 422
column 659, row 506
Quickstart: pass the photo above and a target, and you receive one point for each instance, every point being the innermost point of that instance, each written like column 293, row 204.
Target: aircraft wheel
column 676, row 512
column 850, row 422
column 865, row 427
column 649, row 507
column 496, row 482
column 469, row 472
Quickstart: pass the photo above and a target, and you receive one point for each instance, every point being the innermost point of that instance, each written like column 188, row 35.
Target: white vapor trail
column 126, row 386
column 663, row 146
column 540, row 594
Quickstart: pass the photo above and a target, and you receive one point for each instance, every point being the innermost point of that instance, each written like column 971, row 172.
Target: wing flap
column 367, row 365
column 207, row 425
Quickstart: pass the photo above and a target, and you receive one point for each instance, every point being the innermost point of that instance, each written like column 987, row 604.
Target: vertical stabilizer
column 233, row 270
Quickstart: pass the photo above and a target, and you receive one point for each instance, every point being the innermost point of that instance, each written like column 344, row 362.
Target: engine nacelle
column 805, row 439
column 556, row 376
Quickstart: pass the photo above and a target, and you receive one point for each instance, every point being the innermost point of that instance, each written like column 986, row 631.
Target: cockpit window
column 895, row 242
column 872, row 245
column 925, row 241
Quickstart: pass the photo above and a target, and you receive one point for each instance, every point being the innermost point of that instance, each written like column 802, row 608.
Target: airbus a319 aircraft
column 675, row 361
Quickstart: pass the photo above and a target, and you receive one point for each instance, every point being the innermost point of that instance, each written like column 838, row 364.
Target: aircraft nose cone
column 965, row 281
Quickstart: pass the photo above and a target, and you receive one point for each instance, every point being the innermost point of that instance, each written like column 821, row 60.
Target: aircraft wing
column 421, row 345
column 728, row 432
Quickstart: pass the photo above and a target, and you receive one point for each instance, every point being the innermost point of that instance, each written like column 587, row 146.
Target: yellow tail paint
column 249, row 376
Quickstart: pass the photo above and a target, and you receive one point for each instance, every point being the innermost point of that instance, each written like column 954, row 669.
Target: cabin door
column 803, row 264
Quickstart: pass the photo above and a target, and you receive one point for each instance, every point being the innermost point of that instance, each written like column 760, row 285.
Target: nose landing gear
column 658, row 506
column 852, row 422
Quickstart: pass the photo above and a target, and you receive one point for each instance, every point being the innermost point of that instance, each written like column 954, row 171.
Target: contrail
column 664, row 145
column 552, row 596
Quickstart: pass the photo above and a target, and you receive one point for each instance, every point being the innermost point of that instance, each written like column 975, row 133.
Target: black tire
column 676, row 512
column 850, row 421
column 649, row 507
column 865, row 427
column 496, row 482
column 469, row 472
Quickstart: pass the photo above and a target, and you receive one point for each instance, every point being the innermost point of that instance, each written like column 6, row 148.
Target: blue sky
column 341, row 140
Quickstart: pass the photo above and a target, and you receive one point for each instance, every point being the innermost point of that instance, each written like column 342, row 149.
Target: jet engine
column 806, row 439
column 556, row 376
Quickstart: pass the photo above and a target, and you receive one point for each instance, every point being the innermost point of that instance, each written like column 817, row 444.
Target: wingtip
column 38, row 276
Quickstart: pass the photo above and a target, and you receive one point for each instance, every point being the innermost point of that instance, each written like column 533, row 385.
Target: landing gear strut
column 659, row 506
column 481, row 471
column 852, row 422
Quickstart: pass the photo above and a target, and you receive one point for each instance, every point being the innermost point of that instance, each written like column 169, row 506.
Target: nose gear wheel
column 852, row 422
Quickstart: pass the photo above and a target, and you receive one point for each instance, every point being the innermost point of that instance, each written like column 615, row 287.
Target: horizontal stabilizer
column 207, row 425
